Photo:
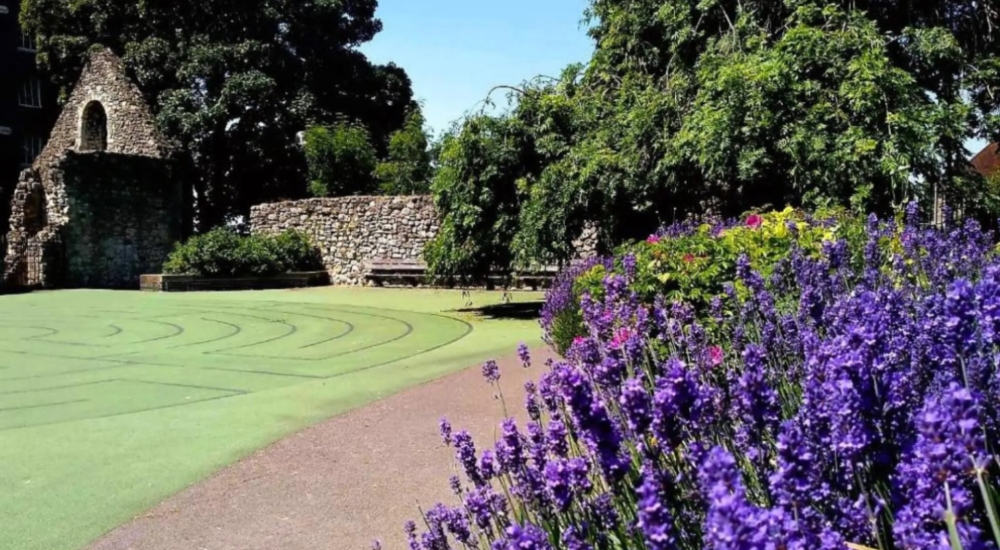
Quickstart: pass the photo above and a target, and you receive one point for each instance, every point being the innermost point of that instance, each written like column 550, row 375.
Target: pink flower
column 579, row 340
column 755, row 221
column 688, row 258
column 653, row 239
column 715, row 356
column 621, row 336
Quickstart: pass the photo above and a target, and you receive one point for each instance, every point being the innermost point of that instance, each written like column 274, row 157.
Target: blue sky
column 455, row 51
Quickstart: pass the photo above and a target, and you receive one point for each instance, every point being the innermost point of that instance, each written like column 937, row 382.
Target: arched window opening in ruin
column 94, row 128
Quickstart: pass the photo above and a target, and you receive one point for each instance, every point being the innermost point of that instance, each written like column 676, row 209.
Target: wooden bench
column 411, row 272
column 414, row 272
column 537, row 278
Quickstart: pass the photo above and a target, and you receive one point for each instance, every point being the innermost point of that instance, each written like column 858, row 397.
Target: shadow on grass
column 518, row 311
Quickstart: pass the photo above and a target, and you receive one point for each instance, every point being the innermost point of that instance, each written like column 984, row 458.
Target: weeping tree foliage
column 726, row 105
column 234, row 81
column 482, row 166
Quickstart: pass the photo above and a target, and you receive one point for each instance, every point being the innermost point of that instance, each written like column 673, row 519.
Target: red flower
column 688, row 258
column 715, row 356
column 755, row 221
column 653, row 239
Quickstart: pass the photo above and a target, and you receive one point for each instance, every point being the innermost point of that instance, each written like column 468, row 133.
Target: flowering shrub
column 691, row 263
column 828, row 404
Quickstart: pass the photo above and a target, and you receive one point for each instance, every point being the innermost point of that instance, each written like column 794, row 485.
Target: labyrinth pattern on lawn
column 97, row 355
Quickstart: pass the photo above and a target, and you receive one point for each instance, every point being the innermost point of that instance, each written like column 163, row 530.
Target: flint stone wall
column 352, row 231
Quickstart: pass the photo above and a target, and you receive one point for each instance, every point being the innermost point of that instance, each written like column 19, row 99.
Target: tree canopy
column 407, row 169
column 341, row 160
column 688, row 106
column 234, row 81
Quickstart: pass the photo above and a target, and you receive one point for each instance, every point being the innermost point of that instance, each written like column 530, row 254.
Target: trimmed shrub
column 222, row 253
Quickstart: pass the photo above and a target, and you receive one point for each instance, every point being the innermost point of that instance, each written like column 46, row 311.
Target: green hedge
column 222, row 253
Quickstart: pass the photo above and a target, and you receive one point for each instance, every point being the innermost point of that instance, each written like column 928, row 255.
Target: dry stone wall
column 352, row 231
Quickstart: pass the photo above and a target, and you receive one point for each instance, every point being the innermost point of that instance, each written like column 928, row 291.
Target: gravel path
column 336, row 485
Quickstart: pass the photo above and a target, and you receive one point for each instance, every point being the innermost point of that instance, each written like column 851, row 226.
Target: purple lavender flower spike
column 526, row 537
column 680, row 405
column 487, row 465
column 411, row 535
column 732, row 523
column 949, row 446
column 548, row 392
column 636, row 405
column 435, row 537
column 491, row 371
column 590, row 415
column 654, row 518
column 537, row 443
column 445, row 431
column 510, row 448
column 602, row 509
column 531, row 401
column 757, row 402
column 558, row 439
column 567, row 479
column 629, row 265
column 466, row 455
column 573, row 540
column 524, row 354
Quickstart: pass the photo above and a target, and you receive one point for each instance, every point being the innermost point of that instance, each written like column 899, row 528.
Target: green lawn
column 112, row 401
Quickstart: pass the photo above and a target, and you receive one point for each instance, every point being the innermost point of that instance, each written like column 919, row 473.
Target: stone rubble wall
column 352, row 231
column 123, row 218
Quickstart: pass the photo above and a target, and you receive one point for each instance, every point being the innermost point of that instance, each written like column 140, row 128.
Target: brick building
column 27, row 105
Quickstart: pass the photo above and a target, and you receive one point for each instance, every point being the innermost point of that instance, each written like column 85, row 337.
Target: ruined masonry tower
column 102, row 204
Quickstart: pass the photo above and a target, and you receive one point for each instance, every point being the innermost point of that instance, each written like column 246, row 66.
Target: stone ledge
column 193, row 283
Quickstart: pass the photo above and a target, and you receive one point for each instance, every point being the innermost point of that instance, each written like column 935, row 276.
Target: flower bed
column 844, row 391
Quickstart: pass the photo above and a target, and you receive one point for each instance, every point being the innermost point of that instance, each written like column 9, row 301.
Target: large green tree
column 234, row 81
column 407, row 168
column 690, row 106
column 341, row 160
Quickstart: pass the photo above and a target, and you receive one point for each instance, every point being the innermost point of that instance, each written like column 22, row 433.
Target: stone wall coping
column 168, row 282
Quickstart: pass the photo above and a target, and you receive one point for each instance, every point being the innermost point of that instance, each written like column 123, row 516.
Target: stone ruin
column 102, row 204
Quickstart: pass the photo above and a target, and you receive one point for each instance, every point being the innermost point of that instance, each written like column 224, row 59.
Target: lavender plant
column 831, row 403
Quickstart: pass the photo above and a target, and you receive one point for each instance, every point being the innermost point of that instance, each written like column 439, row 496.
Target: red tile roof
column 987, row 161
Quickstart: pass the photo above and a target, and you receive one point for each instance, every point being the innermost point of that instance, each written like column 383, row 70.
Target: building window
column 32, row 148
column 28, row 42
column 30, row 94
